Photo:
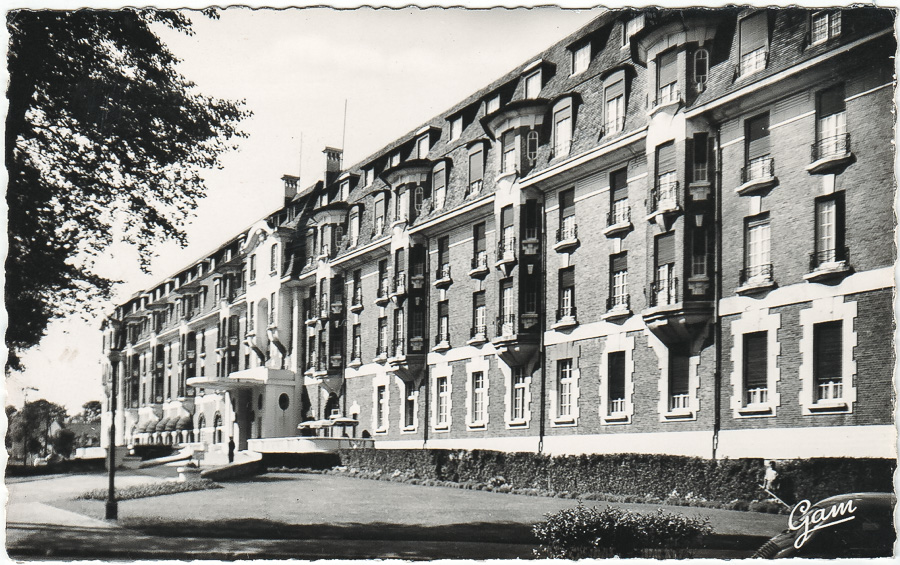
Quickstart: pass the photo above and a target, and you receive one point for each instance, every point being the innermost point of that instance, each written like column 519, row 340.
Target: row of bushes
column 659, row 476
column 150, row 489
column 58, row 467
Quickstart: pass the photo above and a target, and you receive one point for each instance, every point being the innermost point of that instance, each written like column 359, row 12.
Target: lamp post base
column 112, row 510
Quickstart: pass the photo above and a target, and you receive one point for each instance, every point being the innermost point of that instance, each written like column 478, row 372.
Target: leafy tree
column 32, row 424
column 92, row 411
column 63, row 442
column 104, row 141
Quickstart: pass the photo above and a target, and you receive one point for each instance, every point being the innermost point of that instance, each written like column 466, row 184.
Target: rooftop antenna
column 344, row 135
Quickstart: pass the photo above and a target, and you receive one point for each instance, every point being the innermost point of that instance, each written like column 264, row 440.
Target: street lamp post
column 115, row 349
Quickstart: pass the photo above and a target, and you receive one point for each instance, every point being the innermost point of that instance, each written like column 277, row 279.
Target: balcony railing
column 763, row 272
column 506, row 249
column 663, row 292
column 480, row 262
column 757, row 395
column 567, row 233
column 618, row 215
column 356, row 352
column 381, row 350
column 443, row 272
column 357, row 299
column 832, row 146
column 442, row 337
column 616, row 405
column 399, row 284
column 757, row 169
column 478, row 331
column 665, row 195
column 817, row 259
column 506, row 325
column 566, row 312
column 830, row 390
column 619, row 302
column 679, row 401
column 398, row 347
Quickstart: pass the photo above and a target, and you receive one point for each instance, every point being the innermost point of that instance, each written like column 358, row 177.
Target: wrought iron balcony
column 758, row 169
column 357, row 303
column 506, row 250
column 398, row 288
column 663, row 292
column 478, row 331
column 618, row 215
column 479, row 265
column 618, row 302
column 828, row 257
column 506, row 325
column 384, row 291
column 830, row 153
column 665, row 196
column 566, row 313
column 398, row 347
column 567, row 234
column 443, row 276
column 757, row 274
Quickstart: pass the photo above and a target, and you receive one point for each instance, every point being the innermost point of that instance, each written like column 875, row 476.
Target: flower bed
column 150, row 489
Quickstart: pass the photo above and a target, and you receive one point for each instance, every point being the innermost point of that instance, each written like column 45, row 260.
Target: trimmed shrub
column 582, row 532
column 150, row 489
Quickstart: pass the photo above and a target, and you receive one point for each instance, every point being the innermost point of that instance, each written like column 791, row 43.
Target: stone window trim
column 381, row 380
column 404, row 429
column 761, row 320
column 572, row 352
column 821, row 310
column 478, row 365
column 442, row 370
column 508, row 374
column 662, row 356
column 615, row 343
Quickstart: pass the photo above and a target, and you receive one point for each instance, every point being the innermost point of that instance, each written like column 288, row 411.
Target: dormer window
column 379, row 214
column 754, row 41
column 354, row 227
column 633, row 26
column 395, row 159
column 492, row 104
column 562, row 127
column 614, row 103
column 323, row 200
column 456, row 127
column 422, row 147
column 701, row 68
column 508, row 148
column 667, row 78
column 581, row 58
column 476, row 168
column 439, row 182
column 368, row 176
column 825, row 25
column 533, row 84
column 345, row 190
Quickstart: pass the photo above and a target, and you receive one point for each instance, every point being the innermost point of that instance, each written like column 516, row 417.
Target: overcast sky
column 295, row 69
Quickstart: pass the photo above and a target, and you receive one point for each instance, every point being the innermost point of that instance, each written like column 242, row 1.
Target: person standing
column 231, row 450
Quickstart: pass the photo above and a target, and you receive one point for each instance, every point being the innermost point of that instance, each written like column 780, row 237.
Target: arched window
column 201, row 423
column 419, row 198
column 701, row 68
column 217, row 428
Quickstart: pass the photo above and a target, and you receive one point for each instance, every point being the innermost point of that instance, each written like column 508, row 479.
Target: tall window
column 756, row 359
column 679, row 396
column 273, row 259
column 581, row 59
column 507, row 308
column 825, row 25
column 439, row 182
column 356, row 348
column 700, row 146
column 562, row 127
column 664, row 283
column 564, row 388
column 443, row 401
column 419, row 199
column 382, row 336
column 828, row 360
column 478, row 394
column 757, row 147
column 567, row 292
column 479, row 314
column 699, row 253
column 507, row 230
column 456, row 127
column 395, row 159
column 384, row 285
column 618, row 272
column 533, row 85
column 615, row 107
column 632, row 26
column 666, row 175
column 518, row 394
column 479, row 243
column 443, row 322
column 829, row 230
column 379, row 214
column 758, row 256
column 310, row 248
column 354, row 227
column 476, row 168
column 368, row 176
column 701, row 69
column 409, row 406
column 754, row 39
column 253, row 268
column 492, row 104
column 567, row 227
column 398, row 345
column 509, row 150
column 422, row 147
column 616, row 385
column 667, row 78
column 380, row 407
column 831, row 123
column 618, row 189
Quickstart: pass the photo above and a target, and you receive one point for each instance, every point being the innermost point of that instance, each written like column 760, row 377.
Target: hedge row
column 662, row 476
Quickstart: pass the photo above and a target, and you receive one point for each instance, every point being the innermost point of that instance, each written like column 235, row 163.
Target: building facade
column 672, row 232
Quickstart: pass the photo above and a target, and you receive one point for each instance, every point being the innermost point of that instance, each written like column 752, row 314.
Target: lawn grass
column 150, row 489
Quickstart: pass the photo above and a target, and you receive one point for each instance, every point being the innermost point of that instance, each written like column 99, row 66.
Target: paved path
column 306, row 517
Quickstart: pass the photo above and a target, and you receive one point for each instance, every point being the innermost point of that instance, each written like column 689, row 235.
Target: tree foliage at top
column 31, row 425
column 104, row 140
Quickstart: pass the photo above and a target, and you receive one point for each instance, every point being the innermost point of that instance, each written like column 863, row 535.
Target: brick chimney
column 332, row 164
column 290, row 188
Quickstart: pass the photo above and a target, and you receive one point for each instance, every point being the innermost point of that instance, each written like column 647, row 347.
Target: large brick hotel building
column 671, row 232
